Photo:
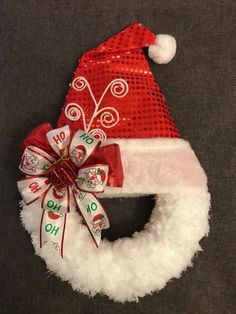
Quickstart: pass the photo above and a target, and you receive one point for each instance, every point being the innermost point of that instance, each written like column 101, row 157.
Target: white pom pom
column 163, row 50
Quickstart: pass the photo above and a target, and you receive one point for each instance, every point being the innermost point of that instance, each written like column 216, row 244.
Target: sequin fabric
column 114, row 93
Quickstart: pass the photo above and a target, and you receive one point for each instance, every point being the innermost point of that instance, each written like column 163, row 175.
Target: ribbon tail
column 56, row 199
column 93, row 214
column 52, row 230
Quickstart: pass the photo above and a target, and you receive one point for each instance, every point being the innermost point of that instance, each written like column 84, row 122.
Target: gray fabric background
column 40, row 44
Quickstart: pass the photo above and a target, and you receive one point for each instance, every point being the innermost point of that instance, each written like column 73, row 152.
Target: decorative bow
column 68, row 184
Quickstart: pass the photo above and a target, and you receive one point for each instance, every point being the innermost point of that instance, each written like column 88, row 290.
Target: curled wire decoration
column 119, row 88
column 109, row 117
column 74, row 112
column 98, row 134
column 79, row 83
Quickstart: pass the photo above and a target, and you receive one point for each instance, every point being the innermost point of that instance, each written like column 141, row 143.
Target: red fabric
column 143, row 112
column 62, row 173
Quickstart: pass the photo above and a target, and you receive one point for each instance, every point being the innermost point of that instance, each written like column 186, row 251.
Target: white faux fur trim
column 158, row 165
column 128, row 268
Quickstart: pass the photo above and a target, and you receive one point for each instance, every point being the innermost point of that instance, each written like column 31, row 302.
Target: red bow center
column 63, row 172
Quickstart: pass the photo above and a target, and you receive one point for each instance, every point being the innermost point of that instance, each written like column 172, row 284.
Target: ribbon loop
column 92, row 179
column 35, row 161
column 32, row 188
column 59, row 139
column 82, row 146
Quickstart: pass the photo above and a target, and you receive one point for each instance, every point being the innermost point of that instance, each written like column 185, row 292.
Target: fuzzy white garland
column 128, row 268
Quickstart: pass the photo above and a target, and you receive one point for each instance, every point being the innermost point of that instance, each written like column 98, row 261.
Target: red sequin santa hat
column 115, row 97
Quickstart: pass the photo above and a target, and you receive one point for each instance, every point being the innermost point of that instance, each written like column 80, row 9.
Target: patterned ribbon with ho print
column 65, row 185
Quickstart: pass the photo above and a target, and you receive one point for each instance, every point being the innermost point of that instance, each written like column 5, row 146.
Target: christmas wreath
column 115, row 138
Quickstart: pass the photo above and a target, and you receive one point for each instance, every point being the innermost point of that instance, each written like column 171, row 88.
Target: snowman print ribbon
column 65, row 184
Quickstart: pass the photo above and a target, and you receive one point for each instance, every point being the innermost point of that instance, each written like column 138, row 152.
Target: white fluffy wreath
column 129, row 268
